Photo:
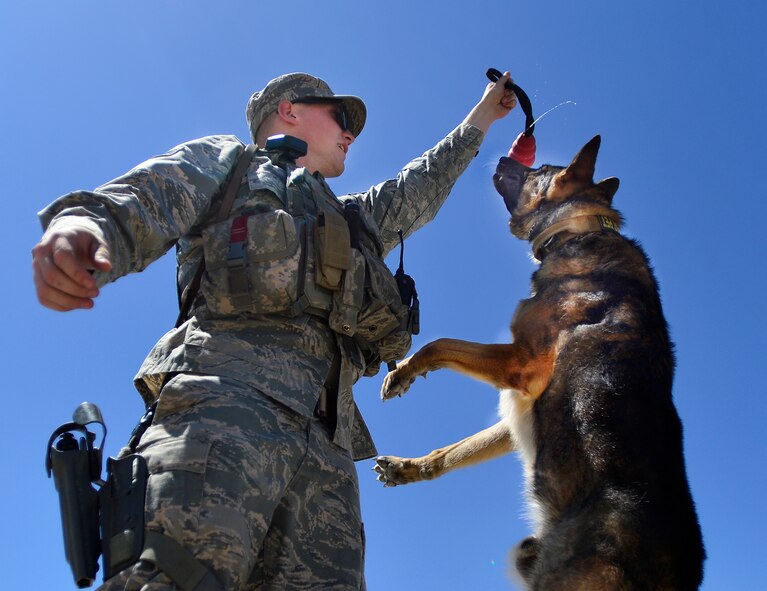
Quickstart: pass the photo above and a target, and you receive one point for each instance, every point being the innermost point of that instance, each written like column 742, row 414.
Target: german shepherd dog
column 585, row 397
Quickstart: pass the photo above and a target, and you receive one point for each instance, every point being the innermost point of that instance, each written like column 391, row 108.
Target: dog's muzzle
column 509, row 178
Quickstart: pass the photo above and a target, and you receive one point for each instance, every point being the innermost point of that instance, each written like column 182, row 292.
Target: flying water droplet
column 550, row 110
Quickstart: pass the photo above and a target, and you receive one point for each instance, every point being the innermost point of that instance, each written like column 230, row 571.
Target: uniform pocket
column 176, row 464
column 252, row 264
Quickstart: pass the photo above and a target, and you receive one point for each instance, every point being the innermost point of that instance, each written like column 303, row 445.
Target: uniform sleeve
column 412, row 199
column 141, row 214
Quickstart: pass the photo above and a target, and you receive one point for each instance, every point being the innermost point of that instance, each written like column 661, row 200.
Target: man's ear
column 285, row 112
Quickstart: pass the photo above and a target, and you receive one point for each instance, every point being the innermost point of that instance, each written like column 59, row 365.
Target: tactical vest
column 309, row 253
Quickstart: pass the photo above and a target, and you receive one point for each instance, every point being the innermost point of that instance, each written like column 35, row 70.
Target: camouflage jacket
column 167, row 200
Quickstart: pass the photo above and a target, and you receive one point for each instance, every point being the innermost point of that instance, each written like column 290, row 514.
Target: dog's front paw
column 392, row 470
column 395, row 384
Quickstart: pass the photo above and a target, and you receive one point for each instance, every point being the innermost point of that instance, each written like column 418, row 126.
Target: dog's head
column 538, row 197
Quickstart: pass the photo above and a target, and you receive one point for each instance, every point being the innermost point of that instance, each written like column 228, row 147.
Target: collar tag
column 606, row 222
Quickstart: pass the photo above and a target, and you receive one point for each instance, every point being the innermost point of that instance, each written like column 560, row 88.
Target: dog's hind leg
column 488, row 444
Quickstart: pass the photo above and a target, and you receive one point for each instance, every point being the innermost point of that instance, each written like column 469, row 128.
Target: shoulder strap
column 223, row 212
column 234, row 183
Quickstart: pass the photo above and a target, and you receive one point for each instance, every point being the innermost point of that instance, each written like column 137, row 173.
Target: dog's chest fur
column 517, row 412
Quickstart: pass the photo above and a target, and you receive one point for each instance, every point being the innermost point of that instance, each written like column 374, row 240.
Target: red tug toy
column 523, row 149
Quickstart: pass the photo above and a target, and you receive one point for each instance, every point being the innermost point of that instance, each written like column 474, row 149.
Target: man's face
column 320, row 126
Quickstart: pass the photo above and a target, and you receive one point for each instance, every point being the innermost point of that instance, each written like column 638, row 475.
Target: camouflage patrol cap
column 298, row 86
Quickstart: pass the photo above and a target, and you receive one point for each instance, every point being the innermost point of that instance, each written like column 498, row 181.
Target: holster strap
column 188, row 573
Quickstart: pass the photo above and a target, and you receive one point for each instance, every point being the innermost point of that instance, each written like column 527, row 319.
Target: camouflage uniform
column 229, row 465
column 242, row 473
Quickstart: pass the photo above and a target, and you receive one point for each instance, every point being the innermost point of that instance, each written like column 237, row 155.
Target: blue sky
column 677, row 91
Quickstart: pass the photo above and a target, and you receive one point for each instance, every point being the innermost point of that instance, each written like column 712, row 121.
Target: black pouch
column 122, row 512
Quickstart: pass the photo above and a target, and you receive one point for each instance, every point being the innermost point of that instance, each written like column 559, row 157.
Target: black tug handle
column 524, row 101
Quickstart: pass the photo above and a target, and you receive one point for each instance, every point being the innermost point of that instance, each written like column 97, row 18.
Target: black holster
column 113, row 513
column 79, row 505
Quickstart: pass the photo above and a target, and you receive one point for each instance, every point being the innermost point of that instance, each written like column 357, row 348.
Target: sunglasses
column 339, row 113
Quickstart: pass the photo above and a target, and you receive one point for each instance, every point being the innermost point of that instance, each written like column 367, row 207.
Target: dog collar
column 565, row 230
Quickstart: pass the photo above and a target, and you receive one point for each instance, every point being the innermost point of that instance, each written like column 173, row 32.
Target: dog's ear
column 582, row 166
column 609, row 186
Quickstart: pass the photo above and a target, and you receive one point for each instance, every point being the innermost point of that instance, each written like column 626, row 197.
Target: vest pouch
column 383, row 320
column 333, row 249
column 348, row 300
column 395, row 345
column 376, row 321
column 252, row 264
column 385, row 331
column 384, row 312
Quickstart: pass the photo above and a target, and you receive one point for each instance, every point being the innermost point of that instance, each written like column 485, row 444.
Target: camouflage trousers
column 257, row 493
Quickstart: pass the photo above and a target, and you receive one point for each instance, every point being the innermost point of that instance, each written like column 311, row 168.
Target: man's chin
column 335, row 172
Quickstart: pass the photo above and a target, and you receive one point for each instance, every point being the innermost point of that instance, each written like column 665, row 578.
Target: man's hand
column 496, row 103
column 62, row 262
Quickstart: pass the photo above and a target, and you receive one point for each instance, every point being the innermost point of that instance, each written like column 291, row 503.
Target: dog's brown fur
column 585, row 399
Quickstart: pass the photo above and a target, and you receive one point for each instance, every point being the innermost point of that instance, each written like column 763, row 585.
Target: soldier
column 252, row 446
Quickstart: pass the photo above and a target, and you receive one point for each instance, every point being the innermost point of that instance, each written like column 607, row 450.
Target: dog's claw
column 382, row 477
column 380, row 468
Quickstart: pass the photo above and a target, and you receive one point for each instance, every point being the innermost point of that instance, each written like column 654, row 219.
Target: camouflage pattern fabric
column 257, row 493
column 167, row 200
